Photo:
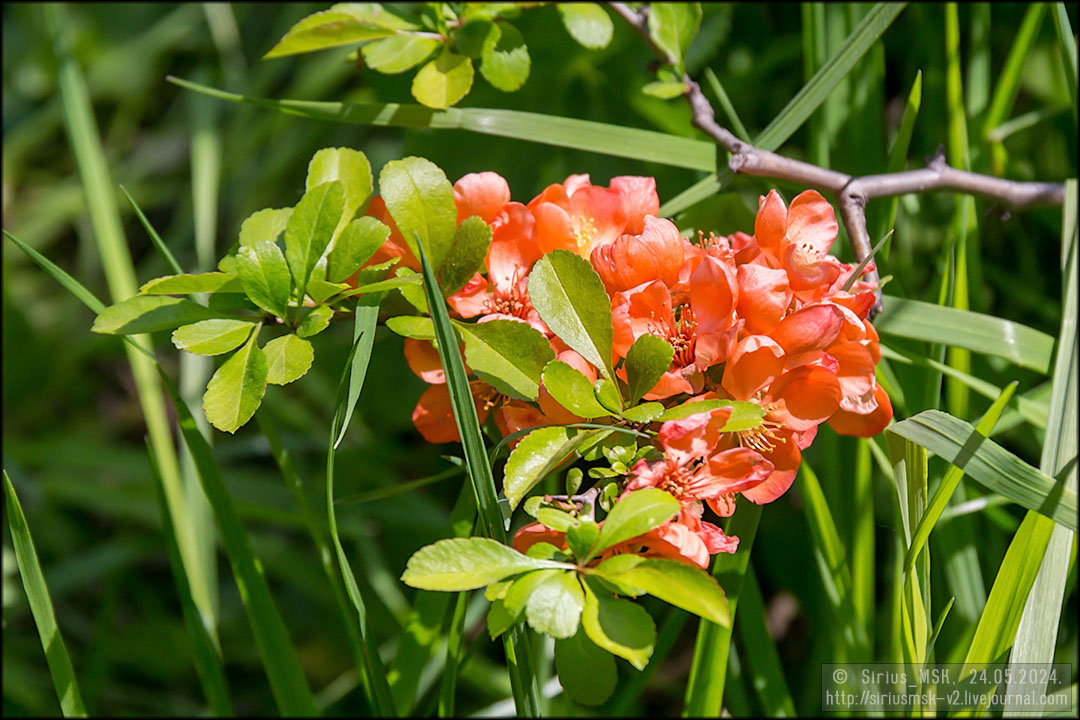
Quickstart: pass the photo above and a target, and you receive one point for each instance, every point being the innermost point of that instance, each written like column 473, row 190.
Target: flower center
column 486, row 396
column 681, row 481
column 513, row 301
column 805, row 254
column 763, row 438
column 681, row 335
column 584, row 231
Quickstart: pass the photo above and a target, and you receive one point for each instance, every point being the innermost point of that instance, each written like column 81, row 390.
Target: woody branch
column 852, row 193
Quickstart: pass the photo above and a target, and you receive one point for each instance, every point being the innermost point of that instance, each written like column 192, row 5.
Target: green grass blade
column 37, row 595
column 951, row 479
column 205, row 651
column 814, row 51
column 666, row 635
column 586, row 135
column 287, row 682
column 69, row 283
column 705, row 688
column 515, row 643
column 162, row 248
column 863, row 543
column 979, row 333
column 1008, row 85
column 760, row 653
column 1067, row 43
column 1037, row 633
column 454, row 640
column 371, row 670
column 898, row 156
column 725, row 104
column 990, row 464
column 120, row 275
column 802, row 106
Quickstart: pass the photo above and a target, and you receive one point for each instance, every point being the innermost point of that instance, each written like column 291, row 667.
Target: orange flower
column 483, row 194
column 434, row 412
column 578, row 216
column 654, row 253
column 798, row 239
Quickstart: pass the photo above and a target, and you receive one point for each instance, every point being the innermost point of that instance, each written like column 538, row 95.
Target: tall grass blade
column 1067, row 43
column 1036, row 635
column 802, row 106
column 586, row 135
column 1008, row 85
column 515, row 643
column 205, row 651
column 454, row 641
column 159, row 244
column 898, row 157
column 760, row 653
column 705, row 688
column 37, row 595
column 371, row 671
column 725, row 105
column 120, row 275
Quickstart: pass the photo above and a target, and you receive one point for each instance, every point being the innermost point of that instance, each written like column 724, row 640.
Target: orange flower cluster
column 762, row 319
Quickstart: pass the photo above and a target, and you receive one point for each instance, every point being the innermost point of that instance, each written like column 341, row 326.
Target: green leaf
column 554, row 606
column 555, row 519
column 517, row 594
column 287, row 359
column 607, row 394
column 572, row 390
column 587, row 23
column 570, row 298
column 475, row 36
column 664, row 90
column 672, row 27
column 644, row 413
column 537, row 455
column 619, row 626
column 41, row 607
column 210, row 282
column 398, row 53
column 646, row 362
column 636, row 514
column 586, row 673
column 365, row 320
column 264, row 275
column 150, row 313
column 465, row 256
column 510, row 355
column 583, row 135
column 320, row 291
column 505, row 63
column 326, row 29
column 212, row 337
column 317, row 320
column 264, row 225
column 681, row 412
column 236, row 389
column 349, row 167
column 355, row 246
column 499, row 619
column 467, row 564
column 680, row 584
column 421, row 201
column 310, row 228
column 443, row 81
column 990, row 464
column 744, row 416
column 412, row 326
column 960, row 328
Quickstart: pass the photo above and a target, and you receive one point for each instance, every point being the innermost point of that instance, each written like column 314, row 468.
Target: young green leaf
column 467, row 564
column 443, row 81
column 310, row 228
column 664, row 90
column 287, row 359
column 581, row 536
column 537, row 455
column 265, row 224
column 475, row 36
column 349, row 167
column 317, row 320
column 521, row 588
column 586, row 672
column 412, row 326
column 636, row 514
column 554, row 606
column 398, row 53
column 682, row 585
column 646, row 362
column 505, row 63
column 510, row 355
column 327, row 29
column 619, row 626
column 572, row 390
column 499, row 619
column 465, row 256
column 672, row 27
column 264, row 276
column 355, row 246
column 212, row 337
column 587, row 23
column 644, row 413
column 236, row 389
column 150, row 313
column 607, row 394
column 570, row 298
column 210, row 282
column 421, row 200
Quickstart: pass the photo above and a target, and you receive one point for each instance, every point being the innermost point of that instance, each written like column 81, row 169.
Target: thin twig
column 852, row 193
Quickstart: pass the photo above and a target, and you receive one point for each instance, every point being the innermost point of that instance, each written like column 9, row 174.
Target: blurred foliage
column 72, row 425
